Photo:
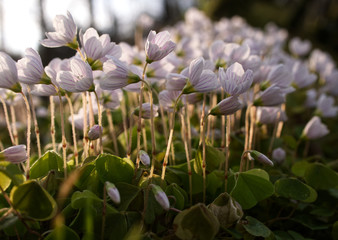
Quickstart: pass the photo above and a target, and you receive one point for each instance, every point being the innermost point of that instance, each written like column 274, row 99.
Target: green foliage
column 48, row 162
column 295, row 189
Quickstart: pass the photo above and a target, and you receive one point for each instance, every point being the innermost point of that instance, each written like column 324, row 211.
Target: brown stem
column 36, row 126
column 52, row 121
column 15, row 130
column 227, row 153
column 99, row 119
column 85, row 125
column 7, row 120
column 28, row 134
column 73, row 129
column 112, row 131
column 152, row 130
column 202, row 138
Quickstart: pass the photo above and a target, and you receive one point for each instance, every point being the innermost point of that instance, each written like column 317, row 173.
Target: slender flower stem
column 187, row 157
column 188, row 129
column 171, row 133
column 52, row 121
column 139, row 124
column 164, row 124
column 28, row 134
column 64, row 141
column 104, row 210
column 85, row 125
column 144, row 136
column 99, row 119
column 91, row 119
column 252, row 127
column 227, row 149
column 274, row 133
column 202, row 139
column 112, row 131
column 125, row 125
column 76, row 154
column 15, row 131
column 223, row 127
column 7, row 120
column 281, row 123
column 36, row 126
column 130, row 137
column 152, row 130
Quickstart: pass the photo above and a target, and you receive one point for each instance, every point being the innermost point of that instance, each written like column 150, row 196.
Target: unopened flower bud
column 260, row 157
column 94, row 132
column 113, row 192
column 14, row 154
column 160, row 197
column 278, row 155
column 144, row 157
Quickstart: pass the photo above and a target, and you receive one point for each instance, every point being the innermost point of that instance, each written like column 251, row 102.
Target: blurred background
column 24, row 22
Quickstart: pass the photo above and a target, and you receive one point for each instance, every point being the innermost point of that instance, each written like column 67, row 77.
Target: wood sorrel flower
column 299, row 47
column 144, row 157
column 168, row 99
column 200, row 79
column 64, row 35
column 79, row 79
column 146, row 113
column 271, row 96
column 235, row 81
column 8, row 73
column 113, row 192
column 94, row 132
column 260, row 157
column 97, row 47
column 315, row 129
column 227, row 106
column 30, row 69
column 118, row 74
column 325, row 106
column 278, row 155
column 160, row 196
column 14, row 154
column 158, row 46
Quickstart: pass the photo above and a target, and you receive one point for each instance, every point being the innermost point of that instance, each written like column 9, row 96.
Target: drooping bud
column 144, row 157
column 113, row 192
column 94, row 132
column 260, row 157
column 160, row 197
column 278, row 155
column 14, row 154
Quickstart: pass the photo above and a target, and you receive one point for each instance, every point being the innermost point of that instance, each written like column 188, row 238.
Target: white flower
column 160, row 196
column 227, row 106
column 144, row 157
column 302, row 76
column 79, row 79
column 235, row 81
column 260, row 157
column 8, row 73
column 269, row 115
column 200, row 79
column 325, row 106
column 146, row 113
column 158, row 46
column 315, row 129
column 118, row 74
column 271, row 96
column 30, row 68
column 113, row 192
column 97, row 47
column 299, row 47
column 278, row 155
column 167, row 99
column 64, row 35
column 14, row 154
column 94, row 132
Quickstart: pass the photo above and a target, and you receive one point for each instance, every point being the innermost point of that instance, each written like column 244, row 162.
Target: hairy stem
column 76, row 154
column 36, row 126
column 28, row 134
column 52, row 121
column 7, row 120
column 99, row 119
column 112, row 131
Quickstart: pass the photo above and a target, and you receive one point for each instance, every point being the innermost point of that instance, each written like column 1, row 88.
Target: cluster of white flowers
column 249, row 66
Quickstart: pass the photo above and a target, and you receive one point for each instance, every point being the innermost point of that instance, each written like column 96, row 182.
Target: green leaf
column 335, row 230
column 290, row 141
column 226, row 210
column 10, row 173
column 196, row 222
column 319, row 176
column 256, row 228
column 180, row 195
column 128, row 193
column 299, row 168
column 49, row 161
column 114, row 169
column 215, row 180
column 153, row 207
column 8, row 221
column 295, row 235
column 213, row 158
column 62, row 232
column 30, row 198
column 80, row 200
column 251, row 187
column 116, row 226
column 295, row 189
